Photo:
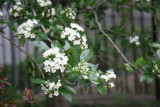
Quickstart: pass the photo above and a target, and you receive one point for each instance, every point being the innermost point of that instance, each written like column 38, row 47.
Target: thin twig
column 24, row 53
column 110, row 40
column 42, row 26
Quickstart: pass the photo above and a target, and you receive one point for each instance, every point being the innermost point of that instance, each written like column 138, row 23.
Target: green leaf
column 129, row 68
column 65, row 94
column 102, row 88
column 143, row 77
column 76, row 76
column 93, row 78
column 86, row 84
column 42, row 35
column 155, row 45
column 12, row 26
column 22, row 41
column 41, row 45
column 76, row 54
column 93, row 67
column 53, row 76
column 2, row 21
column 71, row 61
column 67, row 45
column 86, row 55
column 69, row 89
column 55, row 43
column 38, row 81
column 40, row 60
column 138, row 61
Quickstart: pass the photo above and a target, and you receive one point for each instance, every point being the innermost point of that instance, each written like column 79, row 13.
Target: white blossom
column 83, row 69
column 44, row 3
column 1, row 14
column 53, row 12
column 50, row 95
column 56, row 93
column 111, row 84
column 97, row 74
column 55, row 60
column 16, row 9
column 25, row 29
column 51, row 88
column 108, row 76
column 74, row 36
column 69, row 13
column 135, row 40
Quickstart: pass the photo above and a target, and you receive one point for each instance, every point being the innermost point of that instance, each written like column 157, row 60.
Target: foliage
column 53, row 28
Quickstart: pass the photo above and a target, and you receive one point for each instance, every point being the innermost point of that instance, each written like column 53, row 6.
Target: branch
column 24, row 53
column 42, row 26
column 110, row 40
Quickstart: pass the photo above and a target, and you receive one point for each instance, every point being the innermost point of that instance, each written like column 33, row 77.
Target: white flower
column 76, row 42
column 51, row 88
column 57, row 60
column 97, row 74
column 105, row 77
column 51, row 84
column 56, row 93
column 83, row 69
column 56, row 50
column 74, row 36
column 25, row 29
column 53, row 12
column 135, row 40
column 17, row 7
column 50, row 95
column 44, row 3
column 76, row 26
column 69, row 13
column 111, row 84
column 47, row 68
column 71, row 37
column 1, row 13
column 85, row 77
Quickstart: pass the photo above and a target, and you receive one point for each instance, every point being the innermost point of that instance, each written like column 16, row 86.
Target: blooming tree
column 55, row 30
column 64, row 45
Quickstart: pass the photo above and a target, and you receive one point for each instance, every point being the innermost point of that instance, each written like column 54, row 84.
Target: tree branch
column 42, row 26
column 24, row 53
column 110, row 40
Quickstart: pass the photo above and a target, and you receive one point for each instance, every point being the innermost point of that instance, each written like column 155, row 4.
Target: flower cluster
column 1, row 14
column 108, row 76
column 55, row 60
column 51, row 88
column 156, row 69
column 25, row 29
column 111, row 84
column 73, row 34
column 134, row 40
column 15, row 10
column 69, row 13
column 83, row 68
column 44, row 3
column 49, row 12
